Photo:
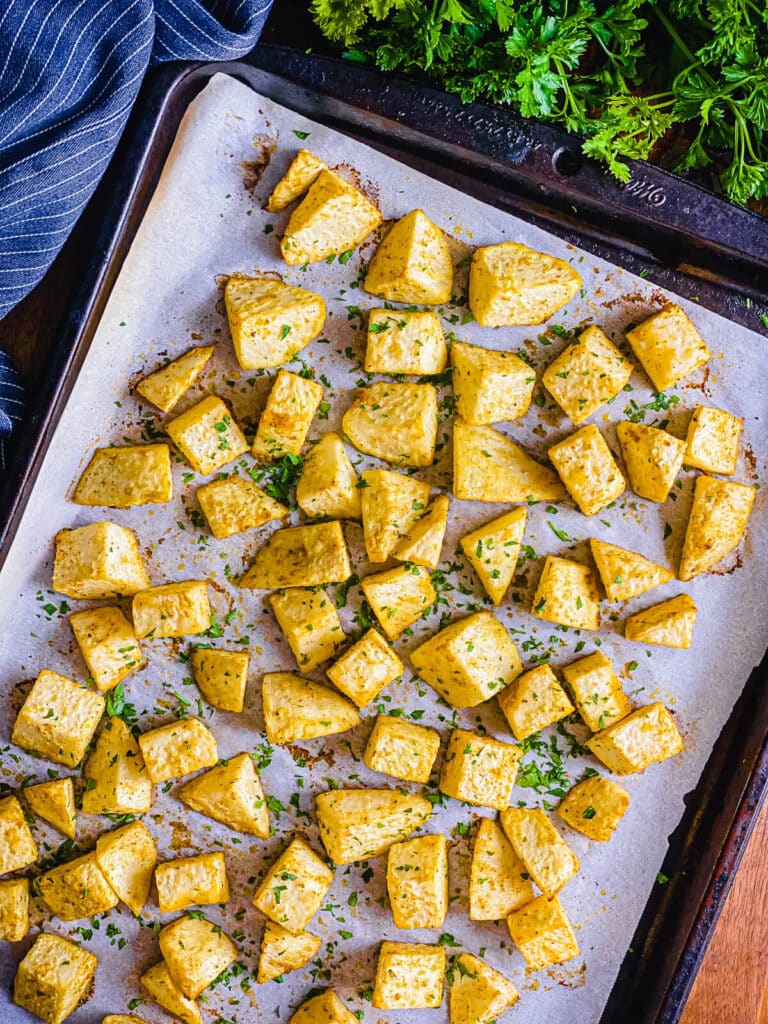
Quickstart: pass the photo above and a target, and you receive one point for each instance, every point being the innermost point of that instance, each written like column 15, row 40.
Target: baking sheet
column 203, row 223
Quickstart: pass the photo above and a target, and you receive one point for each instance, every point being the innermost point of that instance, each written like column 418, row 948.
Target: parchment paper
column 203, row 223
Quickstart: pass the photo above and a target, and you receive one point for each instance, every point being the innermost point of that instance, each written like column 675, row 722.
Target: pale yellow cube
column 417, row 882
column 221, row 676
column 409, row 976
column 587, row 374
column 358, row 824
column 325, row 1008
column 235, row 504
column 668, row 346
column 423, row 544
column 487, row 466
column 127, row 857
column 161, row 987
column 669, row 624
column 196, row 953
column 489, row 385
column 300, row 709
column 365, row 668
column 230, row 793
column 107, row 643
column 171, row 610
column 597, row 691
column 543, row 933
column 717, row 522
column 493, row 551
column 405, row 341
column 469, row 661
column 191, row 881
column 178, row 748
column 547, row 858
column 124, row 477
column 652, row 459
column 401, row 749
column 77, row 889
column 712, row 443
column 412, row 264
column 394, row 422
column 498, row 881
column 287, row 416
column 626, row 574
column 14, row 909
column 310, row 624
column 101, row 560
column 116, row 778
column 594, row 807
column 398, row 597
column 300, row 556
column 294, row 888
column 122, row 1018
column 207, row 435
column 53, row 978
column 58, row 719
column 479, row 994
column 589, row 472
column 54, row 802
column 391, row 505
column 166, row 385
column 533, row 701
column 303, row 170
column 567, row 594
column 645, row 737
column 479, row 770
column 282, row 952
column 512, row 285
column 329, row 482
column 17, row 847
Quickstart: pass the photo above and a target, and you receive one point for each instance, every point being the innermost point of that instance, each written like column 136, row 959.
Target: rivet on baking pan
column 566, row 162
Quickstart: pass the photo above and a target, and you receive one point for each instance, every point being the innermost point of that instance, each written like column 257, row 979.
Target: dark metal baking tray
column 678, row 235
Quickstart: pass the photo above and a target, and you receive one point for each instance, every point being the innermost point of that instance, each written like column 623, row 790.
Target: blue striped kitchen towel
column 69, row 74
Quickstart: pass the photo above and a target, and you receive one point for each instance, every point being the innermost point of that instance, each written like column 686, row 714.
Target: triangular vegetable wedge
column 357, row 824
column 493, row 551
column 487, row 466
column 424, row 541
column 281, row 951
column 230, row 793
column 304, row 169
column 652, row 459
column 625, row 573
column 669, row 624
column 127, row 858
column 391, row 503
column 299, row 709
column 54, row 802
column 717, row 522
column 478, row 994
column 164, row 387
column 412, row 264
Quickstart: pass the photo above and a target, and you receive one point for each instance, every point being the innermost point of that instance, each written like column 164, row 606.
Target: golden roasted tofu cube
column 409, row 976
column 123, row 477
column 160, row 986
column 332, row 218
column 77, row 889
column 329, row 482
column 547, row 858
column 626, row 574
column 54, row 978
column 54, row 802
column 365, row 668
column 234, row 505
column 300, row 709
column 652, row 458
column 178, row 748
column 116, row 778
column 493, row 551
column 417, row 882
column 423, row 544
column 300, row 556
column 645, row 737
column 270, row 322
column 294, row 888
column 172, row 609
column 584, row 463
column 58, row 719
column 533, row 701
column 567, row 594
column 594, row 807
column 717, row 522
column 479, row 770
column 712, row 443
column 668, row 346
column 587, row 374
column 325, row 1008
column 401, row 749
column 101, row 560
column 287, row 416
column 412, row 264
column 310, row 624
column 479, row 994
column 489, row 385
column 196, row 953
column 107, row 643
column 391, row 506
column 14, row 909
column 487, row 466
column 207, row 435
column 221, row 676
column 469, row 661
column 498, row 881
column 669, row 624
column 191, row 881
column 512, row 285
column 166, row 385
column 127, row 858
column 230, row 793
column 17, row 847
column 405, row 341
column 357, row 824
column 596, row 690
column 282, row 952
column 398, row 597
column 303, row 170
column 394, row 422
column 543, row 933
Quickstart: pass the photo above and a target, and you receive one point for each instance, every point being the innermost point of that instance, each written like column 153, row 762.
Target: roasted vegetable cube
column 543, row 933
column 178, row 748
column 712, row 443
column 412, row 264
column 191, row 881
column 717, row 522
column 310, row 624
column 54, row 802
column 58, row 719
column 409, row 976
column 127, row 857
column 161, row 987
column 625, row 574
column 300, row 709
column 567, row 594
column 282, row 951
column 594, row 807
column 77, row 889
column 489, row 385
column 493, row 551
column 652, row 458
column 401, row 749
column 325, row 1008
column 391, row 504
column 479, row 994
column 398, row 597
column 287, row 416
column 668, row 346
column 165, row 386
column 479, row 770
column 669, row 624
column 645, row 737
column 234, row 505
column 101, row 560
column 469, row 661
column 357, row 824
column 487, row 466
column 221, row 676
column 230, row 793
column 405, row 341
column 417, row 882
column 547, row 858
column 54, row 977
column 584, row 463
column 14, row 909
column 596, row 690
column 300, row 556
column 17, row 847
column 207, row 435
column 196, row 953
column 512, row 285
column 587, row 374
column 533, row 701
column 329, row 482
column 498, row 881
column 107, row 643
column 423, row 544
column 365, row 668
column 270, row 322
column 394, row 422
column 123, row 477
column 303, row 170
column 294, row 887
column 116, row 778
column 172, row 609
